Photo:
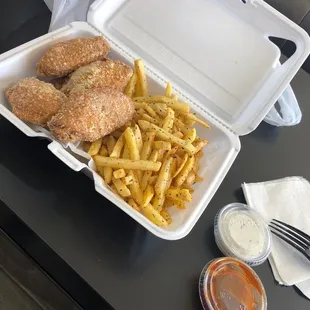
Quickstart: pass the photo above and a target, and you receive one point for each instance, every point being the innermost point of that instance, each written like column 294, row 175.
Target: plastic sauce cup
column 229, row 284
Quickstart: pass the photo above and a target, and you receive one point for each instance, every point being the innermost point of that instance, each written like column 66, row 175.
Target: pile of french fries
column 152, row 162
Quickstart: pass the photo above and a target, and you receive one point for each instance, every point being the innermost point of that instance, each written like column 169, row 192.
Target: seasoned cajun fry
column 168, row 91
column 148, row 195
column 165, row 135
column 168, row 121
column 118, row 163
column 195, row 118
column 107, row 174
column 199, row 145
column 176, row 105
column 190, row 180
column 178, row 134
column 138, row 136
column 147, row 145
column 165, row 214
column 118, row 174
column 164, row 145
column 147, row 118
column 179, row 180
column 169, row 203
column 159, row 108
column 132, row 144
column 148, row 174
column 190, row 136
column 126, row 154
column 110, row 143
column 116, row 153
column 154, row 216
column 130, row 88
column 127, row 180
column 133, row 204
column 122, row 189
column 180, row 165
column 135, row 188
column 177, row 193
column 158, row 202
column 149, row 110
column 139, row 68
column 183, row 128
column 95, row 147
column 163, row 177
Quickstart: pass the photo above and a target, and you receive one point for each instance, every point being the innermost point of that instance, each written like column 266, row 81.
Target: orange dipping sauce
column 229, row 284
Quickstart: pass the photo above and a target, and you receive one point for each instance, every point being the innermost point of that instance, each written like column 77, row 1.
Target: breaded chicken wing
column 98, row 74
column 34, row 101
column 91, row 114
column 65, row 57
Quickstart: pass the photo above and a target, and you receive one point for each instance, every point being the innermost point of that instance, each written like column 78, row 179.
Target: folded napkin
column 287, row 200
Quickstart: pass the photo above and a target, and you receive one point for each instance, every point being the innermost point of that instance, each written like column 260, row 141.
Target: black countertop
column 86, row 243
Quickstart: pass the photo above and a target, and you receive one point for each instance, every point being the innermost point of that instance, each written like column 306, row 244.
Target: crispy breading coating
column 67, row 56
column 91, row 114
column 34, row 101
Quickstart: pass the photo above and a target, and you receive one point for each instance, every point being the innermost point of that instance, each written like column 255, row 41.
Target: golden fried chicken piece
column 65, row 57
column 98, row 74
column 34, row 101
column 91, row 114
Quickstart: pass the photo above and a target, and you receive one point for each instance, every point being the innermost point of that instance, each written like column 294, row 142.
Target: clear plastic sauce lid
column 229, row 284
column 242, row 233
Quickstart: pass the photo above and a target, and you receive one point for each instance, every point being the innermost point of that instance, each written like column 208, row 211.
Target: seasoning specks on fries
column 152, row 162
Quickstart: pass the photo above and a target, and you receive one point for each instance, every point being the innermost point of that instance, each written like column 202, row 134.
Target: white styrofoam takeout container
column 216, row 53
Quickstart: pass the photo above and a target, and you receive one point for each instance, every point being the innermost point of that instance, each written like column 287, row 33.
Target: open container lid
column 217, row 51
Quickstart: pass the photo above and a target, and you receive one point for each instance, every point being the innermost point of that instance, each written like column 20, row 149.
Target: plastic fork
column 291, row 235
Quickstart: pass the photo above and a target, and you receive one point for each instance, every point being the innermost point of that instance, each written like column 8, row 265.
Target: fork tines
column 293, row 236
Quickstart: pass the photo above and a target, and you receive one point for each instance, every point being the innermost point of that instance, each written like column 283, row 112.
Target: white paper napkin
column 287, row 200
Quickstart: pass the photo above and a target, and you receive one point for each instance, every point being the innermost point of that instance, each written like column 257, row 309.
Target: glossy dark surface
column 93, row 241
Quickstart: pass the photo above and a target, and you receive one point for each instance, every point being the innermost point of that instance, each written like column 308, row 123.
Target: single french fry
column 199, row 145
column 190, row 136
column 147, row 145
column 103, row 151
column 159, row 108
column 138, row 136
column 132, row 144
column 153, row 215
column 139, row 67
column 190, row 180
column 168, row 91
column 180, row 165
column 110, row 143
column 148, row 195
column 195, row 118
column 164, row 145
column 135, row 189
column 166, row 215
column 122, row 189
column 149, row 110
column 133, row 204
column 161, row 153
column 169, row 203
column 114, row 190
column 165, row 135
column 118, row 147
column 117, row 163
column 182, row 127
column 181, row 177
column 176, row 105
column 127, row 180
column 146, row 176
column 189, row 122
column 158, row 202
column 168, row 121
column 163, row 177
column 107, row 174
column 126, row 154
column 177, row 193
column 130, row 88
column 118, row 174
column 95, row 147
column 175, row 97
